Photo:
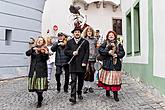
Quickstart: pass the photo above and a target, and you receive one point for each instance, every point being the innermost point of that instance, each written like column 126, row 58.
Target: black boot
column 66, row 88
column 116, row 96
column 66, row 79
column 107, row 93
column 40, row 98
column 58, row 87
column 58, row 82
column 73, row 100
column 80, row 97
column 39, row 104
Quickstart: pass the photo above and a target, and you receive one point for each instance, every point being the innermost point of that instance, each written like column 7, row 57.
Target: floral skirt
column 110, row 80
column 37, row 84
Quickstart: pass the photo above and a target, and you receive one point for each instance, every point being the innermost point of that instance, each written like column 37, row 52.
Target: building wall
column 57, row 13
column 101, row 18
column 24, row 19
column 159, row 39
column 128, row 7
column 143, row 68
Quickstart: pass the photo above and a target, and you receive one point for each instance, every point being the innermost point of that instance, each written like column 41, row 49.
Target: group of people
column 77, row 57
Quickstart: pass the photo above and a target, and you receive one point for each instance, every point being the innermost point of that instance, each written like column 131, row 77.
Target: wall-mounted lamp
column 104, row 4
column 114, row 8
column 98, row 3
column 86, row 5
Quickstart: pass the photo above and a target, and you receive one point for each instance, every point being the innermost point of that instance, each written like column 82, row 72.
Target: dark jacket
column 108, row 59
column 82, row 57
column 60, row 58
column 38, row 63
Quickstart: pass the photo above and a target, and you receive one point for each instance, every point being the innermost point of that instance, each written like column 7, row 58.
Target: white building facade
column 19, row 20
column 100, row 15
column 143, row 34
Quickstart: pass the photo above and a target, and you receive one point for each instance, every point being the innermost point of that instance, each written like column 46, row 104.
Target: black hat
column 61, row 34
column 77, row 28
column 97, row 30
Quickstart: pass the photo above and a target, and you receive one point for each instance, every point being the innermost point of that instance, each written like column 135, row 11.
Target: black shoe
column 65, row 89
column 116, row 99
column 107, row 93
column 80, row 97
column 58, row 92
column 85, row 90
column 73, row 100
column 91, row 90
column 39, row 104
column 58, row 88
column 116, row 96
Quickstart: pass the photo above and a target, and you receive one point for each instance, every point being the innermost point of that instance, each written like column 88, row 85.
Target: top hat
column 77, row 28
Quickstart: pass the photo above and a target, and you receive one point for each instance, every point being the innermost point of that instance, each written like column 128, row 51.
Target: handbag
column 87, row 73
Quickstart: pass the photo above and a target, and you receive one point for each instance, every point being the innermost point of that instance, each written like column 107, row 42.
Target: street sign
column 55, row 27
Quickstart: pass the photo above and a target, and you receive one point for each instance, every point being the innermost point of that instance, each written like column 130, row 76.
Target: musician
column 37, row 78
column 61, row 61
column 98, row 37
column 110, row 75
column 89, row 35
column 51, row 59
column 78, row 50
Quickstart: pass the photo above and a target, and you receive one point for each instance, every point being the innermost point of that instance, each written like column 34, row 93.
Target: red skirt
column 110, row 80
column 109, row 87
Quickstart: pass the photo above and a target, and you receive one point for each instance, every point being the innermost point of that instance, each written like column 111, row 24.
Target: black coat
column 38, row 63
column 61, row 59
column 108, row 59
column 82, row 57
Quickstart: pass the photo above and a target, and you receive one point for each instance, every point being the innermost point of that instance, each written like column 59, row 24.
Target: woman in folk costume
column 37, row 78
column 110, row 75
column 89, row 35
column 50, row 62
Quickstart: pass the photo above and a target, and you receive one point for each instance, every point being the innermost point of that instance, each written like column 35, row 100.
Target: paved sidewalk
column 133, row 96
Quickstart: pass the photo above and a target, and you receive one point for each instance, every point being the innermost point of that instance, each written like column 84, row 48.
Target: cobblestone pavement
column 133, row 96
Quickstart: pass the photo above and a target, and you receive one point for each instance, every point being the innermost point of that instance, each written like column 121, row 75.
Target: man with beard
column 78, row 50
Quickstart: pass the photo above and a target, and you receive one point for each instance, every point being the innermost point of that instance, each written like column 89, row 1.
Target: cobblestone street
column 133, row 96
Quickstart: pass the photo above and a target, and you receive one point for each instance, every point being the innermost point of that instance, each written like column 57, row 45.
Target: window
column 136, row 29
column 8, row 34
column 117, row 26
column 129, row 34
